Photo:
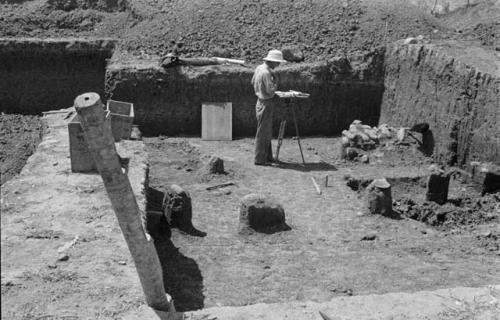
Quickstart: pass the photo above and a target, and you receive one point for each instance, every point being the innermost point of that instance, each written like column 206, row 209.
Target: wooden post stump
column 261, row 214
column 215, row 165
column 379, row 198
column 101, row 143
column 178, row 209
column 437, row 186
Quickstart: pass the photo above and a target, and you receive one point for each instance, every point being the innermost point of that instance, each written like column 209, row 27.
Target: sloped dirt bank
column 19, row 137
column 455, row 87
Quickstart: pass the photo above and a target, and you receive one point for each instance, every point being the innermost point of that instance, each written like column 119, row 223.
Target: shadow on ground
column 181, row 275
column 308, row 167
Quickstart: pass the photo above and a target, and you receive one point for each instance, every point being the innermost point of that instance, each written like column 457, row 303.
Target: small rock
column 221, row 53
column 486, row 234
column 136, row 133
column 410, row 40
column 369, row 237
column 351, row 153
column 292, row 54
column 55, row 164
column 364, row 159
column 63, row 257
column 52, row 266
column 215, row 165
column 401, row 135
column 121, row 262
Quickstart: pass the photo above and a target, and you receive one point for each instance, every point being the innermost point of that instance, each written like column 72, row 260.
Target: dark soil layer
column 40, row 75
column 168, row 101
column 19, row 137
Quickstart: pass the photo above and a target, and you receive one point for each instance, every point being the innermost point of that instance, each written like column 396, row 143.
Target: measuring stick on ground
column 318, row 189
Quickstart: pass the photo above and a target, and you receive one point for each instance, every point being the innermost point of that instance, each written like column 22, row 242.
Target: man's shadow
column 307, row 167
column 181, row 275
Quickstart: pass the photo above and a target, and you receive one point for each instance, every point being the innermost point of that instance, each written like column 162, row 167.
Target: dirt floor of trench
column 325, row 254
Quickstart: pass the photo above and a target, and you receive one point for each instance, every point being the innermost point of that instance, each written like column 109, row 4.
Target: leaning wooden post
column 97, row 132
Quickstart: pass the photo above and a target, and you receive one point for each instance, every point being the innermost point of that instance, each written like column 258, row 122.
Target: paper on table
column 292, row 94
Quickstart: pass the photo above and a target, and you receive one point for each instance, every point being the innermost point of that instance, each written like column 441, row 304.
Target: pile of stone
column 363, row 137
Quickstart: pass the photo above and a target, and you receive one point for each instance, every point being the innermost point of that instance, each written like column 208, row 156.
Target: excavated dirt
column 19, row 137
column 465, row 207
column 243, row 29
column 247, row 29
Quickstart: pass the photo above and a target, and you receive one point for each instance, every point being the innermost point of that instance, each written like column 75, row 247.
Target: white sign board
column 217, row 121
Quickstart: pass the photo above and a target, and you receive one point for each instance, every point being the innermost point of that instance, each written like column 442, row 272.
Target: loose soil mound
column 19, row 137
column 243, row 29
column 247, row 29
column 465, row 207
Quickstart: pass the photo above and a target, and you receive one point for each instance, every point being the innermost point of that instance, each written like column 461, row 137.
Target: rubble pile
column 361, row 137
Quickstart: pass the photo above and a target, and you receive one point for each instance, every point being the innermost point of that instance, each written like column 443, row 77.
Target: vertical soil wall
column 38, row 75
column 453, row 86
column 168, row 101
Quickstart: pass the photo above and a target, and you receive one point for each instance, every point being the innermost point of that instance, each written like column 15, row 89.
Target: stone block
column 121, row 117
column 81, row 158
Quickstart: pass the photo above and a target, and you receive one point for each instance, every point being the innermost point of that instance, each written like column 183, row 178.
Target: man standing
column 265, row 86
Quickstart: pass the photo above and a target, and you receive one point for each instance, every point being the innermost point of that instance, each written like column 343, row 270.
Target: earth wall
column 455, row 87
column 44, row 74
column 168, row 101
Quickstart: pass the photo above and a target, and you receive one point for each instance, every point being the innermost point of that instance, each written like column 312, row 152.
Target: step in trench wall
column 168, row 101
column 44, row 74
column 455, row 88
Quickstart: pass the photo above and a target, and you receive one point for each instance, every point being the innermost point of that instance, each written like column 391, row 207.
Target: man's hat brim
column 273, row 60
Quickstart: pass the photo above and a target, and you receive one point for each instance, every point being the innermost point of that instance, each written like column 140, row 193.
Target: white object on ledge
column 292, row 94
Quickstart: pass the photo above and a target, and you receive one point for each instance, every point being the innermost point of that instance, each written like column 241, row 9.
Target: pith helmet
column 274, row 56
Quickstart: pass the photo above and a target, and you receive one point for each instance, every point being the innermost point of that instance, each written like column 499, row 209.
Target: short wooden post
column 101, row 143
column 437, row 187
column 378, row 198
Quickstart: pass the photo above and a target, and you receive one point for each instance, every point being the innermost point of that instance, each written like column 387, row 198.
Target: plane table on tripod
column 288, row 96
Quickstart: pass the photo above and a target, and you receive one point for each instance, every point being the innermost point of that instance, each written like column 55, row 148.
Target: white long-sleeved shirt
column 264, row 82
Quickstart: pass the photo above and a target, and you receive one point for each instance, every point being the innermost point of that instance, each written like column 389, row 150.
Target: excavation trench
column 168, row 101
column 39, row 75
column 453, row 86
column 401, row 85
